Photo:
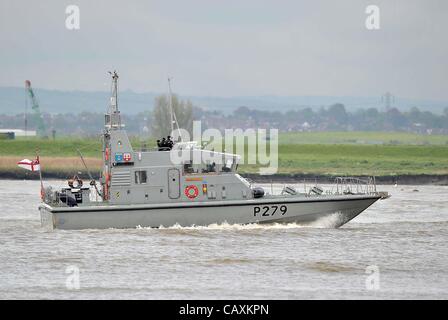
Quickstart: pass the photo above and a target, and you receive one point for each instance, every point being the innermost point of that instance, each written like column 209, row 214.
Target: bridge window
column 140, row 177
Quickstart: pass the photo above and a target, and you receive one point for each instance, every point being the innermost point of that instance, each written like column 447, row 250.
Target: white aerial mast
column 171, row 105
column 173, row 118
column 113, row 118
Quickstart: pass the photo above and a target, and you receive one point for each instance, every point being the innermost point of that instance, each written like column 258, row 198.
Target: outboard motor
column 68, row 200
column 258, row 192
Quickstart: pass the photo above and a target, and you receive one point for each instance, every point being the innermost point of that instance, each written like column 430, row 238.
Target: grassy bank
column 305, row 153
column 53, row 166
column 361, row 159
column 65, row 147
column 362, row 137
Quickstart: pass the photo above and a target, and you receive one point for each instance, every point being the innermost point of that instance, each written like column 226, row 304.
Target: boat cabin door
column 173, row 183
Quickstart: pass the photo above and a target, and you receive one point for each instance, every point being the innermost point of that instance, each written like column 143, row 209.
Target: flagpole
column 42, row 192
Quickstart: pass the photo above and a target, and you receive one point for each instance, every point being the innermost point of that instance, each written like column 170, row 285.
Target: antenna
column 113, row 118
column 114, row 89
column 173, row 118
column 92, row 181
column 26, row 115
column 171, row 106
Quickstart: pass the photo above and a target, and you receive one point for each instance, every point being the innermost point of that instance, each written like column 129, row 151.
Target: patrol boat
column 141, row 188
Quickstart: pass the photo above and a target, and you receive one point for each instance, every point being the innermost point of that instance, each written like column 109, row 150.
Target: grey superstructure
column 145, row 188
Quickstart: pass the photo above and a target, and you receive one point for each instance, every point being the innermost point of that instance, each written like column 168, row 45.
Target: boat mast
column 113, row 118
column 112, row 121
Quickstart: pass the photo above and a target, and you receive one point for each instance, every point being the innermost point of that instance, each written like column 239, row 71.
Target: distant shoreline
column 402, row 179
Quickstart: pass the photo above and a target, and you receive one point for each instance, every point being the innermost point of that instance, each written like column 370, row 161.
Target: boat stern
column 47, row 219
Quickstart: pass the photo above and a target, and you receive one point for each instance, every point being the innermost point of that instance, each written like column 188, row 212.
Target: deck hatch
column 173, row 183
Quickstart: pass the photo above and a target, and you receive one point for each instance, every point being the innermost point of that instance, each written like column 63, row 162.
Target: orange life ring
column 75, row 183
column 191, row 191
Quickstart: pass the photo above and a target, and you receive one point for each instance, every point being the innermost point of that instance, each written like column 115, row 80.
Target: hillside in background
column 330, row 119
column 12, row 101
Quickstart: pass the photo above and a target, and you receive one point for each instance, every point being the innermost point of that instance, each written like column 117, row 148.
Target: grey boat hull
column 303, row 210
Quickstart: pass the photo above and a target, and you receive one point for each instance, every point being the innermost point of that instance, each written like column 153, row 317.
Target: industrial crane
column 41, row 129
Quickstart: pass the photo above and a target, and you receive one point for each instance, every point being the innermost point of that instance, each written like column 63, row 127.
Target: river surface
column 396, row 249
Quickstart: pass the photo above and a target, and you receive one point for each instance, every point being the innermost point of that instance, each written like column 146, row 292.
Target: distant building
column 12, row 133
column 7, row 135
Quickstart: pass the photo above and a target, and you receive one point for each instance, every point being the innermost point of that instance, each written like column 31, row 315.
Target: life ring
column 75, row 183
column 191, row 191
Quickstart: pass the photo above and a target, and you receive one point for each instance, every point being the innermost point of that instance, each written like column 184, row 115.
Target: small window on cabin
column 140, row 177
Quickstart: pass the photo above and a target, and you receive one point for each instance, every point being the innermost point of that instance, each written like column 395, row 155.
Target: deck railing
column 352, row 185
column 340, row 186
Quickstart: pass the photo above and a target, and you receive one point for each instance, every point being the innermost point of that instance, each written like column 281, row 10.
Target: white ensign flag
column 32, row 165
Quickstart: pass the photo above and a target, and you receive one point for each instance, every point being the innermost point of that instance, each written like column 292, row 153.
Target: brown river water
column 396, row 249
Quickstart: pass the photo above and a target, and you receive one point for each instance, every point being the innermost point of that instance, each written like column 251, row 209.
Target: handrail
column 346, row 185
column 340, row 186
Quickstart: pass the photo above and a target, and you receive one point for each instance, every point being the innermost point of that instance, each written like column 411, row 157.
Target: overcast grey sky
column 228, row 48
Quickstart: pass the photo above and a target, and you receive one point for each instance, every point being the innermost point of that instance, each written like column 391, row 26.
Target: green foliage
column 360, row 159
column 361, row 137
column 63, row 147
column 161, row 116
